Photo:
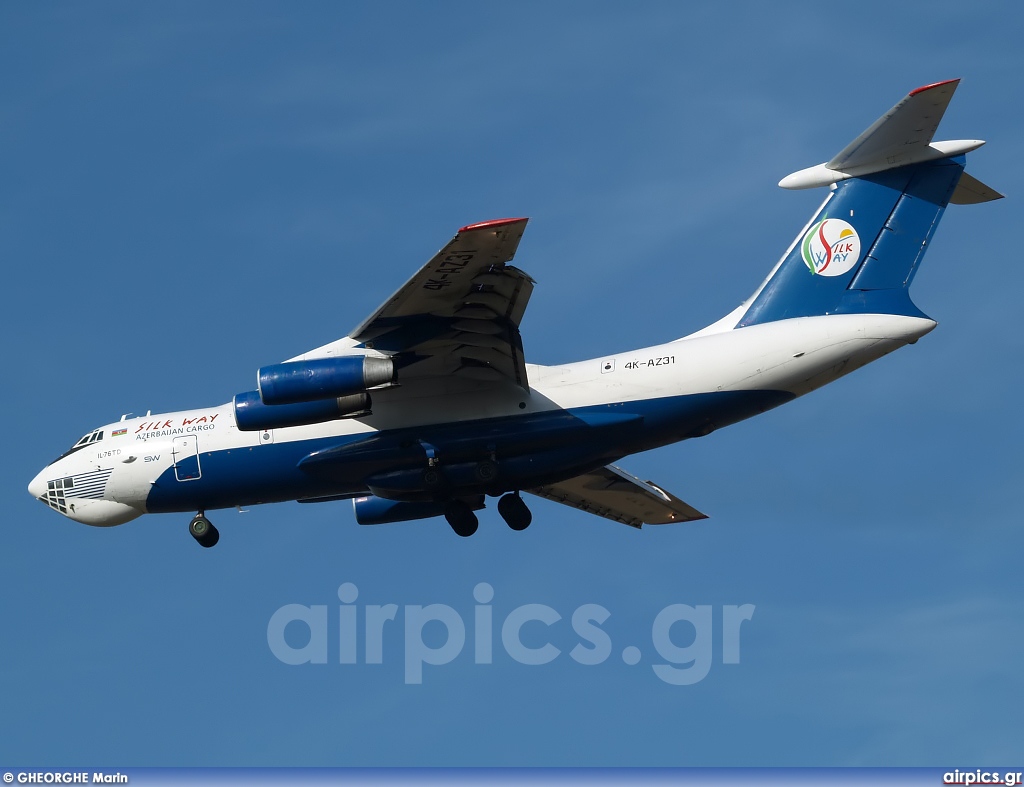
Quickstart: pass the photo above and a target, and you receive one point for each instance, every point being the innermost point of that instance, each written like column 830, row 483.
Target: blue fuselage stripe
column 584, row 437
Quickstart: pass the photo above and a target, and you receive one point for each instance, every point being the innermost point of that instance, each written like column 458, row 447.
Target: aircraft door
column 185, row 453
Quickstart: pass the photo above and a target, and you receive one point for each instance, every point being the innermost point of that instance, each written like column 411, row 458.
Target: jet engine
column 373, row 510
column 322, row 378
column 251, row 414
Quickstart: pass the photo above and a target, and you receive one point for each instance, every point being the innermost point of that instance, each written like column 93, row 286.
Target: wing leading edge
column 615, row 494
column 460, row 314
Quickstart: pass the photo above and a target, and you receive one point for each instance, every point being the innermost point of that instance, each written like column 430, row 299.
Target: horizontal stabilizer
column 621, row 497
column 902, row 136
column 971, row 191
column 907, row 127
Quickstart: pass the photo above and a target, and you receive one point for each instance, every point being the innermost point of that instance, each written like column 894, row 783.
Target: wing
column 460, row 314
column 615, row 494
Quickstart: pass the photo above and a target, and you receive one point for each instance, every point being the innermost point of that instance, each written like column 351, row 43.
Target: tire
column 461, row 518
column 204, row 532
column 199, row 527
column 515, row 512
column 211, row 538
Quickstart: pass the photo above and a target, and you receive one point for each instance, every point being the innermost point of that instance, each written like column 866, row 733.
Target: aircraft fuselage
column 575, row 417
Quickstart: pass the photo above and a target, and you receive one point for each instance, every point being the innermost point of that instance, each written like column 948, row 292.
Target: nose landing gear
column 203, row 531
column 514, row 511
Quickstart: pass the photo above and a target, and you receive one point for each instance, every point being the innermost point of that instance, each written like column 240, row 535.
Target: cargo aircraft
column 429, row 407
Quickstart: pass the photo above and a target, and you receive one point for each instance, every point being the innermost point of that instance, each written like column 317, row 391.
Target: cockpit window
column 89, row 439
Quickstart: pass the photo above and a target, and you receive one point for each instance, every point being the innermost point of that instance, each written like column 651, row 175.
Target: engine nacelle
column 375, row 510
column 322, row 378
column 251, row 414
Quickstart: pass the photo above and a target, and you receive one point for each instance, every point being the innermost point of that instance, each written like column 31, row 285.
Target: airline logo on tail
column 831, row 247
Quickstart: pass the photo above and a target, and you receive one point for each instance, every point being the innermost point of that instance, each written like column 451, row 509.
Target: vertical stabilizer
column 890, row 187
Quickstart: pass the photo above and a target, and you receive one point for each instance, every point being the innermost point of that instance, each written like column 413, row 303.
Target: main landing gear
column 461, row 517
column 514, row 511
column 511, row 507
column 203, row 531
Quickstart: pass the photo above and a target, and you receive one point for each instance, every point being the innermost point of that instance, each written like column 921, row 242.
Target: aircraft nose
column 37, row 486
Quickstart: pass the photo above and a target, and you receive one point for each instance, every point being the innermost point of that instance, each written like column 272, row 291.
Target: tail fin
column 890, row 186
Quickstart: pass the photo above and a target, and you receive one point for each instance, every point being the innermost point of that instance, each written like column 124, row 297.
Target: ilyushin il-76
column 429, row 407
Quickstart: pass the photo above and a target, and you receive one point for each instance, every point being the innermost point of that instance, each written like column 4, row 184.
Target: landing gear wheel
column 461, row 517
column 203, row 531
column 514, row 511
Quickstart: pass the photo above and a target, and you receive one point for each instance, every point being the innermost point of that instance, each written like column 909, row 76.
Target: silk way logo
column 831, row 247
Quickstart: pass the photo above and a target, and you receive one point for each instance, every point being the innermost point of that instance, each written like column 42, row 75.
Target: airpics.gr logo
column 831, row 247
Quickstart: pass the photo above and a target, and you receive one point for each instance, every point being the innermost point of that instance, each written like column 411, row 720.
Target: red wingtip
column 933, row 85
column 486, row 225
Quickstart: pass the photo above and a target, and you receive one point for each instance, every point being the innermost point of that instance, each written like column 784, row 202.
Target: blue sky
column 187, row 193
